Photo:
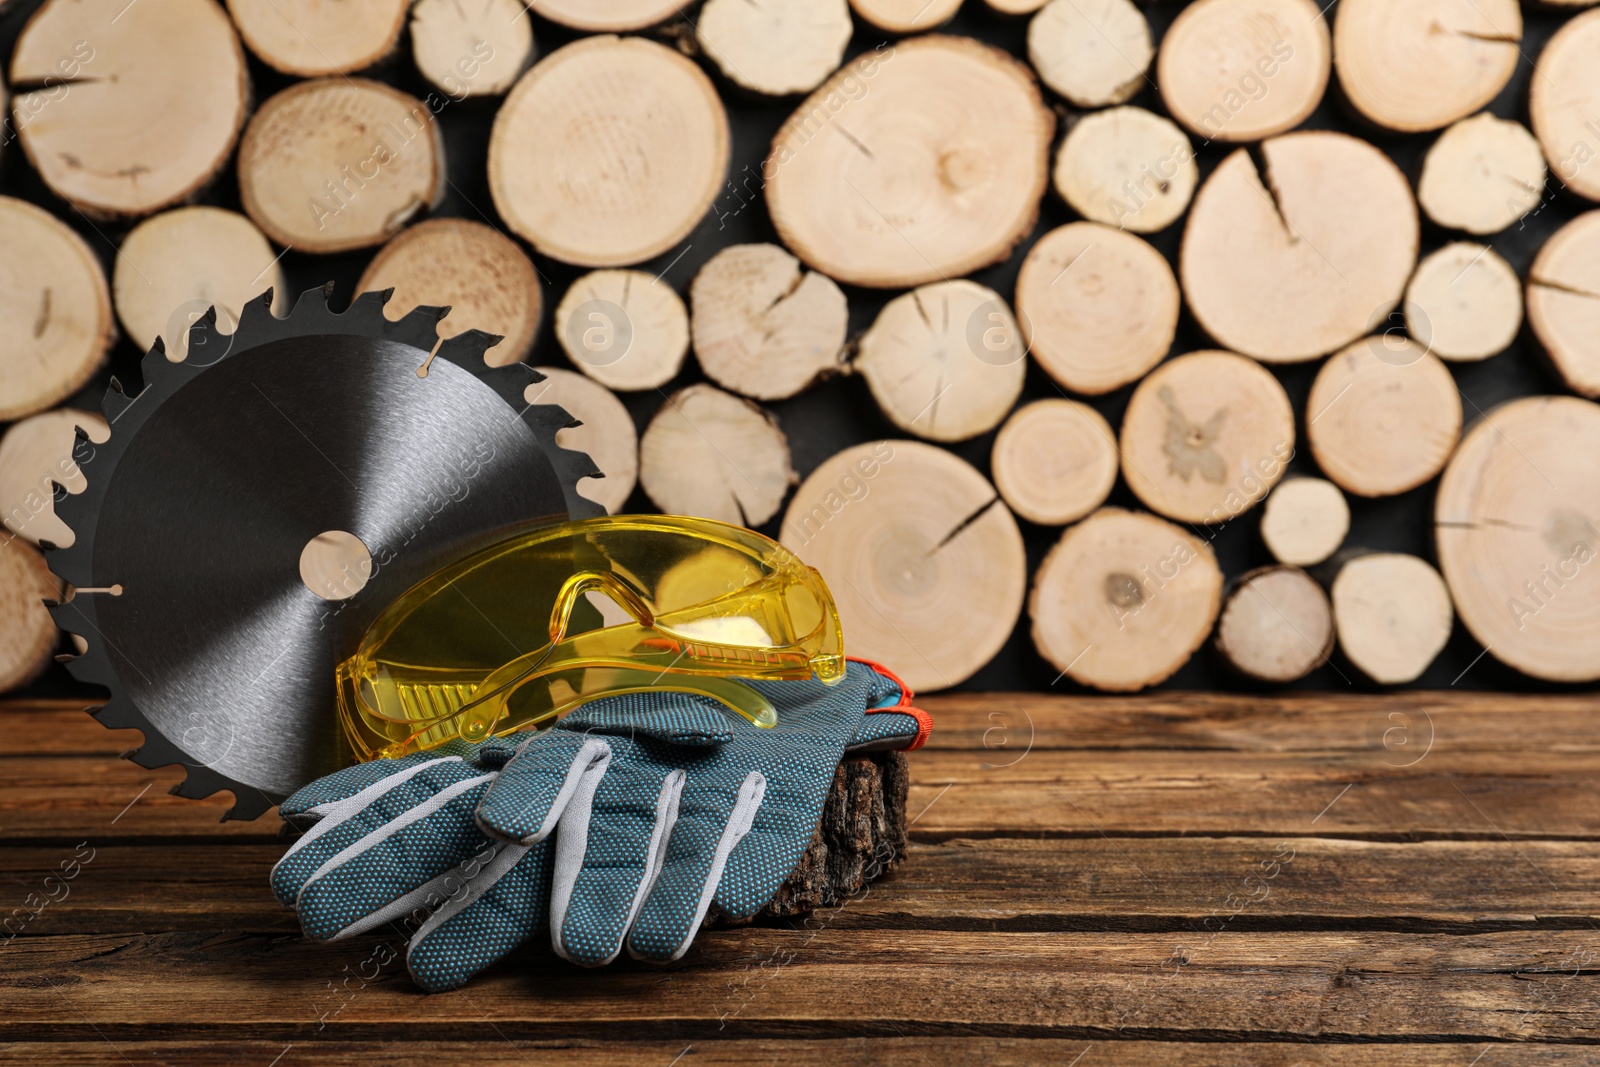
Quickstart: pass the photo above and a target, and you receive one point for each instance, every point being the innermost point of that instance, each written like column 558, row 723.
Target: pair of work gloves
column 618, row 827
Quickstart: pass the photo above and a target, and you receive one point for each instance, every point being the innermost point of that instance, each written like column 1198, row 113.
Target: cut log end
column 174, row 267
column 607, row 16
column 1094, row 55
column 1241, row 70
column 626, row 329
column 176, row 91
column 55, row 319
column 777, row 47
column 1123, row 600
column 1054, row 461
column 1517, row 524
column 1422, row 65
column 1481, row 175
column 1098, row 307
column 762, row 326
column 607, row 435
column 27, row 632
column 861, row 838
column 945, row 362
column 313, row 176
column 906, row 16
column 312, row 39
column 1563, row 99
column 38, row 454
column 1206, row 437
column 715, row 455
column 1128, row 168
column 1277, row 625
column 1392, row 613
column 948, row 124
column 1564, row 302
column 1301, row 256
column 925, row 562
column 1305, row 521
column 554, row 152
column 1383, row 416
column 484, row 279
column 477, row 49
column 1464, row 303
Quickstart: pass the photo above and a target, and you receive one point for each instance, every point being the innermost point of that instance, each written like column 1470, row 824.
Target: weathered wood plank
column 858, row 1052
column 1398, row 725
column 821, row 981
column 1133, row 884
column 1483, row 793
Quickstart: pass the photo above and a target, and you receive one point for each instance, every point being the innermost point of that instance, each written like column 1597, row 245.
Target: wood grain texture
column 1170, row 879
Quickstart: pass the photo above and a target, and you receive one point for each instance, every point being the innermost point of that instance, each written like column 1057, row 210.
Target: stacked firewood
column 905, row 170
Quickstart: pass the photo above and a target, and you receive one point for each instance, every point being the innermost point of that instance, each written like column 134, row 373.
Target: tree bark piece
column 1481, row 175
column 1517, row 523
column 624, row 328
column 1093, row 54
column 471, row 47
column 944, row 361
column 1123, row 600
column 761, row 325
column 1383, row 416
column 1098, row 307
column 1128, row 168
column 1392, row 613
column 1277, row 625
column 482, row 277
column 311, row 39
column 1305, row 521
column 1295, row 261
column 175, row 266
column 607, row 434
column 777, row 47
column 1564, row 302
column 715, row 455
column 861, row 838
column 1565, row 99
column 1464, row 303
column 924, row 561
column 608, row 152
column 27, row 632
column 36, row 452
column 339, row 163
column 1422, row 65
column 906, row 16
column 55, row 310
column 932, row 172
column 607, row 16
column 1241, row 70
column 1206, row 437
column 1054, row 461
column 157, row 95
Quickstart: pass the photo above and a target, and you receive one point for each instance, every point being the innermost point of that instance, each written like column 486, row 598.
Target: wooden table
column 1174, row 879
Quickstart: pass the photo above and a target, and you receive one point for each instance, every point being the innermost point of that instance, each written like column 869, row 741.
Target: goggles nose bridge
column 620, row 591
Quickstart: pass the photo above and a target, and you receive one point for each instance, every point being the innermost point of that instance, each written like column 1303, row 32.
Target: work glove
column 621, row 823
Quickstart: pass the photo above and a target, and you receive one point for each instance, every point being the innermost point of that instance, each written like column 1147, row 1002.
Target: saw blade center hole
column 335, row 565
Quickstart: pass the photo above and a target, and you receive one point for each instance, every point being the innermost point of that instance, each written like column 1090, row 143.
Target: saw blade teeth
column 313, row 303
column 116, row 400
column 120, row 714
column 418, row 328
column 247, row 805
column 204, row 339
column 366, row 310
column 255, row 315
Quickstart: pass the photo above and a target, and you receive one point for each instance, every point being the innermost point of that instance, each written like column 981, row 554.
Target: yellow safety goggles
column 514, row 636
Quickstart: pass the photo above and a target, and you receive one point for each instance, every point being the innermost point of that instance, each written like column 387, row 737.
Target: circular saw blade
column 185, row 568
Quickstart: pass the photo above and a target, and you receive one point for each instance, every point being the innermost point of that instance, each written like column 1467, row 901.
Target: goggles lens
column 511, row 637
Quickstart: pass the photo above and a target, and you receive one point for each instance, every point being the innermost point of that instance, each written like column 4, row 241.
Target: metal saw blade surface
column 226, row 654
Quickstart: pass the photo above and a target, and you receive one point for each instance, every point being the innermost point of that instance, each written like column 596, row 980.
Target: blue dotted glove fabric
column 649, row 831
column 618, row 825
column 393, row 844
